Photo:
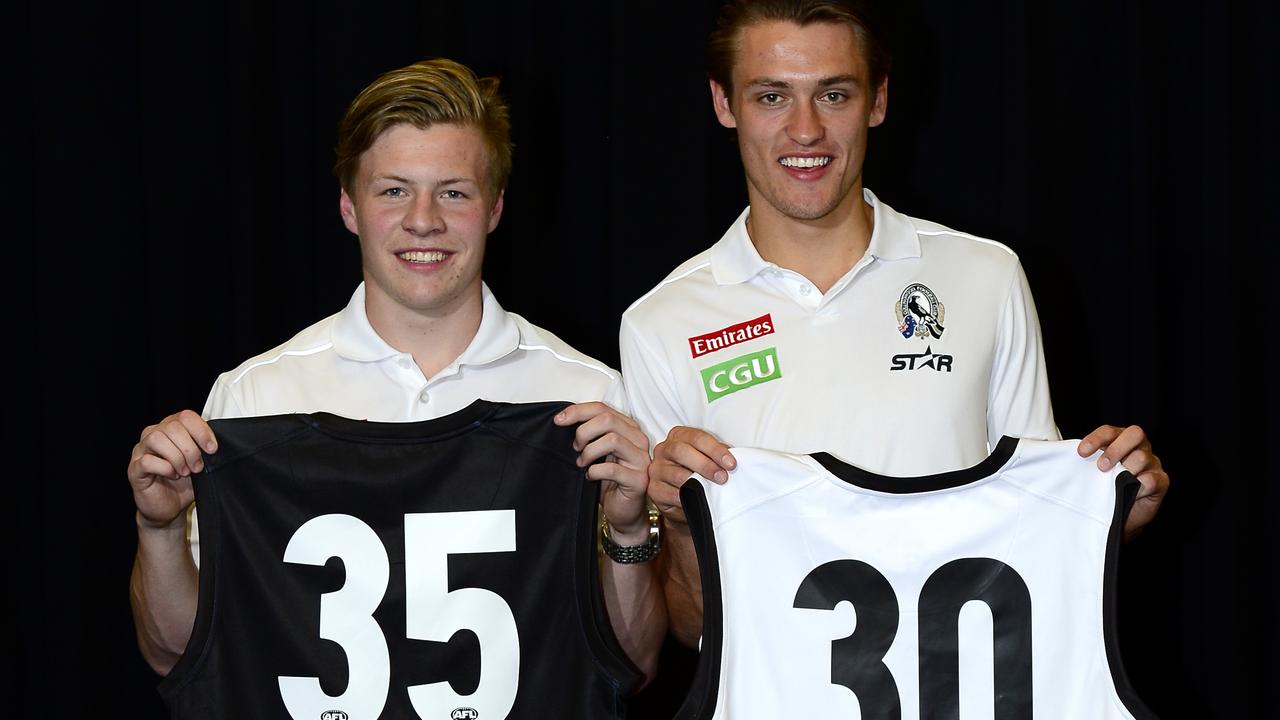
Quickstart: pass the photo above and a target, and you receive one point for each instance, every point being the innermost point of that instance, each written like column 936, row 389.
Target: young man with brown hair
column 824, row 320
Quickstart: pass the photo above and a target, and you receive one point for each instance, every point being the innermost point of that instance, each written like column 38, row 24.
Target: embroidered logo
column 464, row 713
column 919, row 313
column 333, row 715
column 740, row 373
column 700, row 345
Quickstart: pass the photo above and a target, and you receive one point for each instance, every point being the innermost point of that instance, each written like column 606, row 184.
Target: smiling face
column 420, row 205
column 801, row 102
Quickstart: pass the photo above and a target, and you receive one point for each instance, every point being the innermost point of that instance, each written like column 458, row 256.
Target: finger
column 582, row 412
column 666, row 498
column 1099, row 438
column 705, row 443
column 1127, row 442
column 689, row 460
column 199, row 430
column 1140, row 461
column 161, row 444
column 1154, row 486
column 597, row 419
column 632, row 483
column 180, row 435
column 144, row 471
column 612, row 443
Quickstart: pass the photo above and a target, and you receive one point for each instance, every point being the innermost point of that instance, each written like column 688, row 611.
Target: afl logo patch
column 919, row 313
column 464, row 713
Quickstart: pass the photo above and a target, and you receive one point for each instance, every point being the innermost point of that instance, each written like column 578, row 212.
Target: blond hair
column 423, row 94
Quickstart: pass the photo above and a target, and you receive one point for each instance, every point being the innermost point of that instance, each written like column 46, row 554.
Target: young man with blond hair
column 423, row 158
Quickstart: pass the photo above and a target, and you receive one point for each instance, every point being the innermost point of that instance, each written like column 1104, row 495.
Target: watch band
column 631, row 554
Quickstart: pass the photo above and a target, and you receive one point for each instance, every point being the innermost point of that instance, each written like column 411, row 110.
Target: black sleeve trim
column 197, row 651
column 1126, row 492
column 700, row 703
column 592, row 613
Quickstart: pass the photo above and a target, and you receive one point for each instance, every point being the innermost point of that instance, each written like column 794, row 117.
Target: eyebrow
column 765, row 82
column 407, row 181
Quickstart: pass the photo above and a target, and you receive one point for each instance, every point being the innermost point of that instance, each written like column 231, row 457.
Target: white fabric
column 834, row 351
column 1046, row 514
column 340, row 365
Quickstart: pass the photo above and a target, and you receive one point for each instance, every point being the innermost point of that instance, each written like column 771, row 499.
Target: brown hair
column 424, row 94
column 735, row 15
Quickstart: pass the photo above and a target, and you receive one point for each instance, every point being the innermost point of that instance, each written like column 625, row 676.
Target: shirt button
column 424, row 397
column 806, row 289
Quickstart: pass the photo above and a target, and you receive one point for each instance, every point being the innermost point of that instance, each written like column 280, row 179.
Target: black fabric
column 700, row 702
column 259, row 616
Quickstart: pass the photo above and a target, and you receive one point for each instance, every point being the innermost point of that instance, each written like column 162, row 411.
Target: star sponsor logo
column 741, row 373
column 700, row 345
column 919, row 313
column 920, row 361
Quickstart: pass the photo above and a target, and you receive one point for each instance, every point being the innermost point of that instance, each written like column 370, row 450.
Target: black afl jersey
column 832, row 592
column 443, row 569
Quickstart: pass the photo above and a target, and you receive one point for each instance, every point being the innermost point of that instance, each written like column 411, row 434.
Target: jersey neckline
column 400, row 432
column 868, row 480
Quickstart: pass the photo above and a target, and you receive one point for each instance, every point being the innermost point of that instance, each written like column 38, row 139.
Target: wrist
column 176, row 526
column 631, row 547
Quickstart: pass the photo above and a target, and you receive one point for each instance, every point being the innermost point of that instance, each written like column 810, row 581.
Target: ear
column 347, row 209
column 496, row 213
column 720, row 101
column 881, row 103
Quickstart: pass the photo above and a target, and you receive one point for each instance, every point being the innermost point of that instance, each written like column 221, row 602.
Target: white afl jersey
column 832, row 592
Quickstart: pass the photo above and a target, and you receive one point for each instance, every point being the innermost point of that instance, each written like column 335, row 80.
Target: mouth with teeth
column 805, row 167
column 423, row 257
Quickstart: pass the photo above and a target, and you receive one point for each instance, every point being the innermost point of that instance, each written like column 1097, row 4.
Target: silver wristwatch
column 630, row 554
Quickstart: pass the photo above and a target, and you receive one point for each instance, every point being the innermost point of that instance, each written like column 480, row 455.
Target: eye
column 772, row 98
column 833, row 96
column 453, row 195
column 395, row 192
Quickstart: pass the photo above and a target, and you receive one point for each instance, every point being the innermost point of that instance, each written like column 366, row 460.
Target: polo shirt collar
column 355, row 339
column 734, row 258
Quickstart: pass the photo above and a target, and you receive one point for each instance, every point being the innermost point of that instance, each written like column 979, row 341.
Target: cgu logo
column 740, row 373
column 464, row 713
column 333, row 715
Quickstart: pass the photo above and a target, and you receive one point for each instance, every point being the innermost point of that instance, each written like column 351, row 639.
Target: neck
column 434, row 338
column 823, row 249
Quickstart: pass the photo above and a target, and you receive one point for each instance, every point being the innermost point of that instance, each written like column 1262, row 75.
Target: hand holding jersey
column 424, row 154
column 689, row 451
column 829, row 266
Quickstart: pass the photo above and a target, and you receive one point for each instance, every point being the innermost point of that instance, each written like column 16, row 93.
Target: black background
column 171, row 212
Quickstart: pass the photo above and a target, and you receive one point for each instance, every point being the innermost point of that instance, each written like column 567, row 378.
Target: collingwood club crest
column 919, row 313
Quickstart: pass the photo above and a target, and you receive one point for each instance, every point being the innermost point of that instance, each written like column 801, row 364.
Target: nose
column 805, row 126
column 422, row 217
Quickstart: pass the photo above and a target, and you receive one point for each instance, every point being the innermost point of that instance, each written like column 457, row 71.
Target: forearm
column 164, row 589
column 682, row 585
column 637, row 610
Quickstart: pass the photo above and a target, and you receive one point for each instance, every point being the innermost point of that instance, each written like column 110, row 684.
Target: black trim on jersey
column 700, row 703
column 588, row 593
column 1126, row 491
column 868, row 480
column 395, row 432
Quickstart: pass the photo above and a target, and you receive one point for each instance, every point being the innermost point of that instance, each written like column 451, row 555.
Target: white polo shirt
column 342, row 366
column 926, row 348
